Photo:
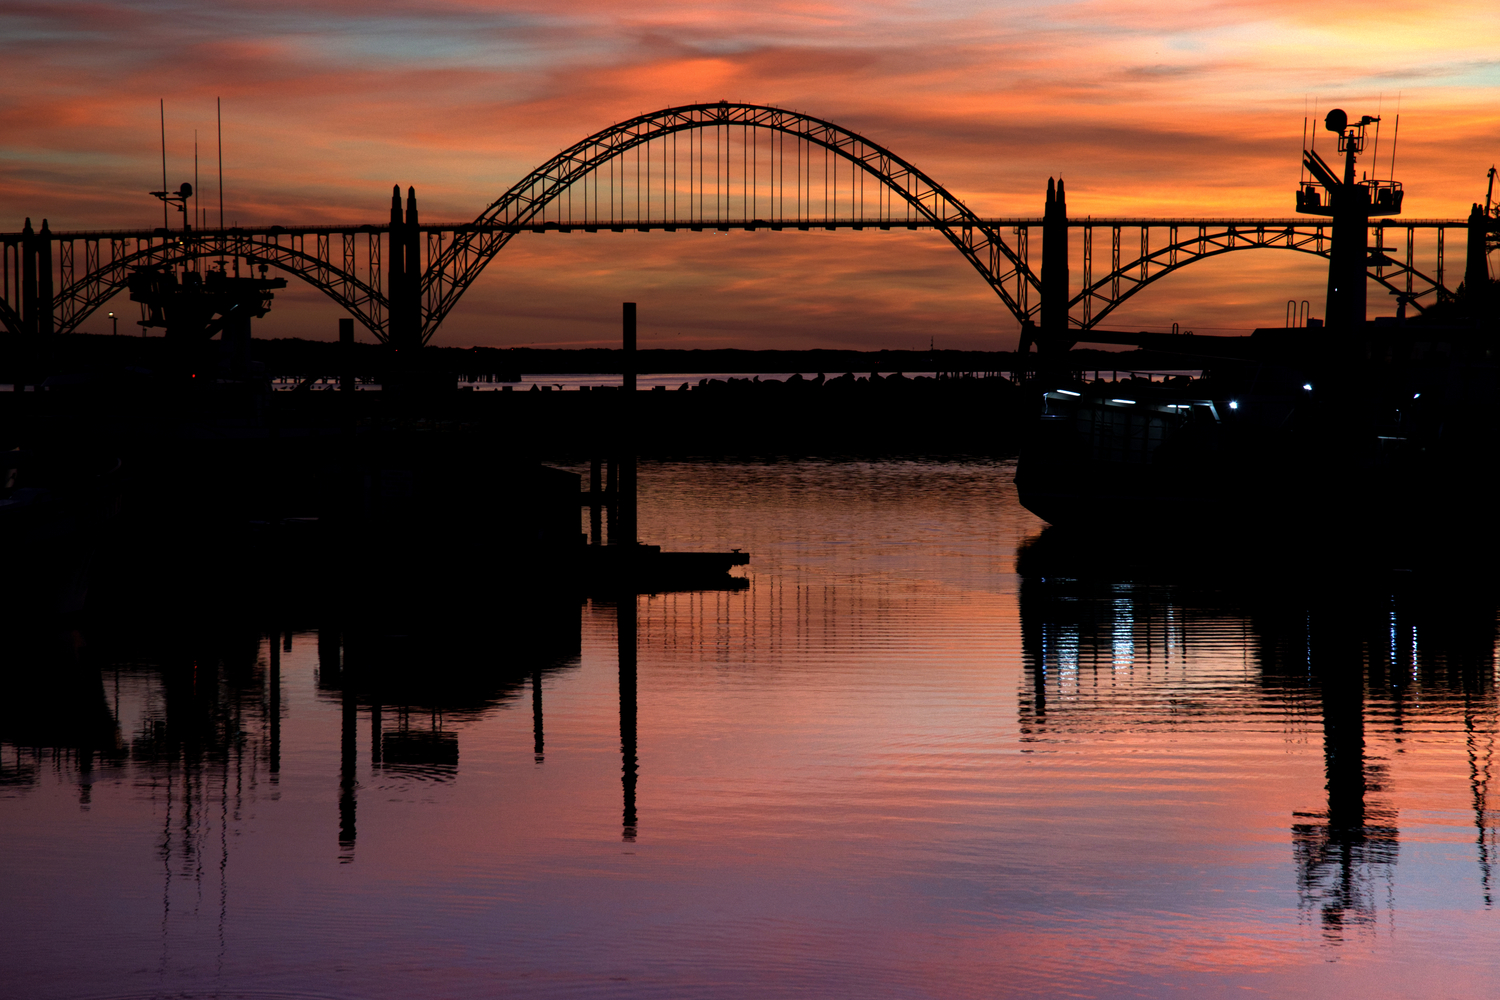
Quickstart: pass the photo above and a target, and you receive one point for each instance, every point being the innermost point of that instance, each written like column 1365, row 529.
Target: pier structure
column 712, row 167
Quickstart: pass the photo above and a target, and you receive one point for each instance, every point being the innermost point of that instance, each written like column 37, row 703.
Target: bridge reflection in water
column 211, row 726
column 1104, row 656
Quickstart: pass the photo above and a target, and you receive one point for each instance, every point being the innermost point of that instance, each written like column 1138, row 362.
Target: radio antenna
column 1302, row 161
column 1394, row 137
column 162, row 107
column 197, row 212
column 219, row 112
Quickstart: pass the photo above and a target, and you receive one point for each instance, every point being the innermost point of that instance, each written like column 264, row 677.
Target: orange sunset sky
column 1193, row 108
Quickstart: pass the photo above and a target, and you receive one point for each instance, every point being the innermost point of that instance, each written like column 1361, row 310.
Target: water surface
column 889, row 767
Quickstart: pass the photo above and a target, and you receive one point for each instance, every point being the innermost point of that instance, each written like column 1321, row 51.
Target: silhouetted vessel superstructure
column 1388, row 425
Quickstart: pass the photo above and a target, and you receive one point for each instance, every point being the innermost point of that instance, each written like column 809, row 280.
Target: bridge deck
column 643, row 225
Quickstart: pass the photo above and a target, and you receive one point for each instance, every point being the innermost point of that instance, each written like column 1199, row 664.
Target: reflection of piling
column 1338, row 858
column 275, row 706
column 348, row 760
column 538, row 733
column 330, row 669
column 626, row 633
column 375, row 730
column 1344, row 749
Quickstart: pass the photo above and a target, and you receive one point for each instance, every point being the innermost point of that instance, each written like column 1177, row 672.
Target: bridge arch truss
column 1192, row 240
column 722, row 166
column 900, row 194
column 331, row 264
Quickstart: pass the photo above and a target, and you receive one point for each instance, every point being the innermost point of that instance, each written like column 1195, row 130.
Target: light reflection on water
column 889, row 767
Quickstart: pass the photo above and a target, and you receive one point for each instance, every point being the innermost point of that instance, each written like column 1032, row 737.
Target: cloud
column 1194, row 109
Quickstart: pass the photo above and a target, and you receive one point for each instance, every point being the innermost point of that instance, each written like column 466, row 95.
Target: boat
column 1342, row 423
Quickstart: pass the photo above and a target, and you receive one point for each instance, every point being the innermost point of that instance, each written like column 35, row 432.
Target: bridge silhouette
column 722, row 166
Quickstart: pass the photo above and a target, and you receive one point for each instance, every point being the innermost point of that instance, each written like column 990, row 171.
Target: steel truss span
column 637, row 170
column 332, row 264
column 1205, row 239
column 702, row 166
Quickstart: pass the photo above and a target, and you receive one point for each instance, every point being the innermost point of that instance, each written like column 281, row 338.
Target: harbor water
column 908, row 757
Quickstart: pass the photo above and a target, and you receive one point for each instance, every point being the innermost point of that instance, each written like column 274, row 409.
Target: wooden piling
column 626, row 530
column 346, row 355
column 595, row 501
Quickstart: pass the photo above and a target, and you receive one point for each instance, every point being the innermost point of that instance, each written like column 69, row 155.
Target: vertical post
column 1440, row 232
column 45, row 319
column 628, row 363
column 346, row 354
column 627, row 484
column 612, row 499
column 625, row 631
column 1410, row 247
column 594, row 502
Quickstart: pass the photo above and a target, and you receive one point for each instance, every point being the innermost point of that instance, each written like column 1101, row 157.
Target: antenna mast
column 162, row 106
column 1302, row 167
column 219, row 113
column 1395, row 137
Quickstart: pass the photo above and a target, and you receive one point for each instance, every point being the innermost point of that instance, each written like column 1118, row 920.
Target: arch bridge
column 721, row 166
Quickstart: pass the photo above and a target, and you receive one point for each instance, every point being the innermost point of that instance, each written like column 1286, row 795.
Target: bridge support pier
column 28, row 279
column 1055, row 260
column 44, row 292
column 404, row 274
column 1052, row 338
column 1476, row 261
